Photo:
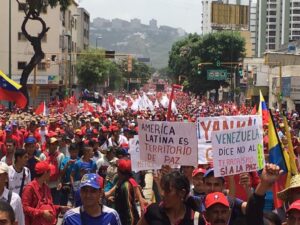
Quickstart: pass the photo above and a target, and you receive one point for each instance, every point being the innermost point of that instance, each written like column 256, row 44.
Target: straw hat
column 295, row 183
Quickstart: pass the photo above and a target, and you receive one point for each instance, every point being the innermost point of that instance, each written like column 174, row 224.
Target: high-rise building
column 229, row 14
column 273, row 23
column 57, row 71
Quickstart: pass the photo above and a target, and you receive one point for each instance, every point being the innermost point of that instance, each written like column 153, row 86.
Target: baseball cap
column 216, row 198
column 197, row 171
column 294, row 206
column 8, row 128
column 3, row 167
column 124, row 165
column 30, row 140
column 91, row 180
column 210, row 172
column 42, row 167
column 53, row 140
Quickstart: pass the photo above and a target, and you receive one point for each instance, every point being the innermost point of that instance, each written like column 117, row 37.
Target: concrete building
column 153, row 24
column 83, row 33
column 207, row 24
column 273, row 23
column 57, row 70
column 264, row 74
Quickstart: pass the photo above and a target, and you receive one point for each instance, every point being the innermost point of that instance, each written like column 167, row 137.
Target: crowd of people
column 76, row 166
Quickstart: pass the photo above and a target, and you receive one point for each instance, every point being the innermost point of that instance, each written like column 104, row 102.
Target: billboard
column 225, row 15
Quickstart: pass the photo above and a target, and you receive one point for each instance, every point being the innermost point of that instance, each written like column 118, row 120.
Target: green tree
column 32, row 13
column 139, row 70
column 186, row 54
column 94, row 69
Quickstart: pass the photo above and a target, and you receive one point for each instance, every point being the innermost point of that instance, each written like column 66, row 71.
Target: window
column 272, row 33
column 271, row 46
column 296, row 11
column 22, row 6
column 42, row 66
column 296, row 25
column 22, row 65
column 21, row 36
column 272, row 20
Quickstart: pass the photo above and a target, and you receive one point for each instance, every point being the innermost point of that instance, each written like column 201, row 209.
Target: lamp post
column 99, row 37
column 9, row 42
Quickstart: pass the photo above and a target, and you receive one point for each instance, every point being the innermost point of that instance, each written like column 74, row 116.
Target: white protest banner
column 136, row 163
column 237, row 150
column 205, row 125
column 168, row 143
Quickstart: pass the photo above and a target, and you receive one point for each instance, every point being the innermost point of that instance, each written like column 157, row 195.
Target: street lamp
column 99, row 37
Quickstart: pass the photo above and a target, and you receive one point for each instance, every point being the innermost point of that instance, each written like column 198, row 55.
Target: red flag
column 254, row 111
column 41, row 109
column 278, row 186
column 87, row 107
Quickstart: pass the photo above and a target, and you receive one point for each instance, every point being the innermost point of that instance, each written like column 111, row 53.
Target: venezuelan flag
column 279, row 157
column 263, row 109
column 276, row 154
column 10, row 91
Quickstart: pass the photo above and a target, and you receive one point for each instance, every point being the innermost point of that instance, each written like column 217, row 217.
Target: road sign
column 217, row 74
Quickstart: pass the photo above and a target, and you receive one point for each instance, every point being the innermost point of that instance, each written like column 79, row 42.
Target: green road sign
column 216, row 74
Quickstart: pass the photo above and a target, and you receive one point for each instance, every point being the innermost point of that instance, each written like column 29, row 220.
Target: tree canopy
column 186, row 54
column 94, row 69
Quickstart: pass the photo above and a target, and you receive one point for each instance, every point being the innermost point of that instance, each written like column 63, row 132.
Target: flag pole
column 174, row 86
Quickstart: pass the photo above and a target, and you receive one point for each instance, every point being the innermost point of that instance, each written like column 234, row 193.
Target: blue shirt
column 108, row 216
column 88, row 167
column 66, row 178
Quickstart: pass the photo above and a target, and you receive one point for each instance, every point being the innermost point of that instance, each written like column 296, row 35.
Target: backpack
column 52, row 160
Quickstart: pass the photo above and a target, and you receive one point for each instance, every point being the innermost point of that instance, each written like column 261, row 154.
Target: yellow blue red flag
column 10, row 91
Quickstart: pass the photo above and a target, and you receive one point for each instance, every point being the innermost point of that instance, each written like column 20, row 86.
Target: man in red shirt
column 37, row 200
column 17, row 135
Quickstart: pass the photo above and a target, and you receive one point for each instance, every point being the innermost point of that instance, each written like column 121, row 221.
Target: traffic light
column 129, row 63
column 200, row 68
column 240, row 69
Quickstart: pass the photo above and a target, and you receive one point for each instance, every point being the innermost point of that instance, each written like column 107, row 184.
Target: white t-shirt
column 102, row 162
column 15, row 179
column 16, row 204
column 122, row 140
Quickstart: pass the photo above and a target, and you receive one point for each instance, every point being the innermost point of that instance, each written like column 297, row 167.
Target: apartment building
column 56, row 72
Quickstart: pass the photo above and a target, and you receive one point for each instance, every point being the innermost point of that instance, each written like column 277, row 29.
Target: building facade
column 56, row 72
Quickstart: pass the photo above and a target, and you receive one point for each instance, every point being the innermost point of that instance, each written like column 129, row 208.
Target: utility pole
column 9, row 43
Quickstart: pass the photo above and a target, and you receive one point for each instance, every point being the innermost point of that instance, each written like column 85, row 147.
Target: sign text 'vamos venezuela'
column 168, row 143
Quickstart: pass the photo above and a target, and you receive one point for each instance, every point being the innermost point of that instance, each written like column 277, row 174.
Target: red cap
column 124, row 145
column 294, row 206
column 51, row 134
column 42, row 167
column 197, row 171
column 95, row 131
column 124, row 165
column 216, row 198
column 104, row 129
column 114, row 128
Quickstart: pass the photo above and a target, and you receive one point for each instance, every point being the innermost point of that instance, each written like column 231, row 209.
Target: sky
column 185, row 14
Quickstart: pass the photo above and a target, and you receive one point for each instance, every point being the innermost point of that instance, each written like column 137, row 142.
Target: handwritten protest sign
column 205, row 125
column 136, row 163
column 168, row 143
column 237, row 150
